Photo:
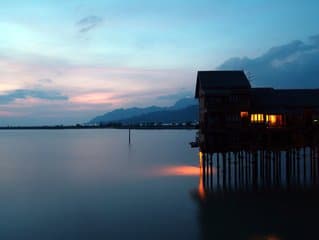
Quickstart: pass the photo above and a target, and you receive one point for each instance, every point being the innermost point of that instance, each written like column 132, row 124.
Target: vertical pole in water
column 218, row 170
column 211, row 172
column 304, row 166
column 316, row 163
column 235, row 170
column 229, row 170
column 298, row 165
column 279, row 166
column 246, row 169
column 224, row 170
column 129, row 135
column 204, row 168
column 311, row 165
column 241, row 158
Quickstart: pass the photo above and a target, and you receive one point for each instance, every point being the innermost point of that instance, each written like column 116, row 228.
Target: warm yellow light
column 201, row 188
column 272, row 119
column 200, row 156
column 257, row 117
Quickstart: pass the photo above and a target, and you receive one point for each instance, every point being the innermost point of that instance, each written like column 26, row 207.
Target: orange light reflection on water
column 188, row 170
column 201, row 188
column 183, row 170
column 268, row 237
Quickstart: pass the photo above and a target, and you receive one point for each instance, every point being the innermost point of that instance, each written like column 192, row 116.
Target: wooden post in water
column 235, row 170
column 204, row 168
column 317, row 160
column 224, row 170
column 298, row 165
column 229, row 170
column 211, row 172
column 129, row 135
column 218, row 184
column 304, row 166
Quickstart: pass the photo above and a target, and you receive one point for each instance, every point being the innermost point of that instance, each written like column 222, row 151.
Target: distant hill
column 121, row 113
column 152, row 113
column 188, row 114
column 183, row 103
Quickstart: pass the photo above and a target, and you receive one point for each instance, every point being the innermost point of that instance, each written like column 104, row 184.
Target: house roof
column 221, row 80
column 278, row 99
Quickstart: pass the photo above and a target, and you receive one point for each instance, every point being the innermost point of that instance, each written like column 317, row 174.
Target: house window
column 257, row 118
column 274, row 120
column 243, row 114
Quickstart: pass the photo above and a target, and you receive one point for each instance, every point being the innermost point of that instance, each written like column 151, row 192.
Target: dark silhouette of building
column 259, row 159
column 235, row 115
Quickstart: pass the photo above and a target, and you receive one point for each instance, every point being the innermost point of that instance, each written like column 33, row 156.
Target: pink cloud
column 95, row 98
column 91, row 89
column 10, row 114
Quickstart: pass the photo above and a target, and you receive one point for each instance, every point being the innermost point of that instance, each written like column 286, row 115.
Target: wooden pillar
column 255, row 169
column 218, row 169
column 229, row 170
column 287, row 168
column 298, row 165
column 246, row 169
column 293, row 164
column 311, row 165
column 314, row 164
column 212, row 172
column 317, row 160
column 304, row 166
column 224, row 170
column 279, row 167
column 262, row 166
column 235, row 170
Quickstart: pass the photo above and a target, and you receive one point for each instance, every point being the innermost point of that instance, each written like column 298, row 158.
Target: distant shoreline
column 97, row 127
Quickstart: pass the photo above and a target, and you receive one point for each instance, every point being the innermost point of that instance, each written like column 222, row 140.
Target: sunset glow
column 93, row 98
column 100, row 55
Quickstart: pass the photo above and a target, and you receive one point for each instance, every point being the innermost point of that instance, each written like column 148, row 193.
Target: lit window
column 244, row 114
column 257, row 118
column 274, row 120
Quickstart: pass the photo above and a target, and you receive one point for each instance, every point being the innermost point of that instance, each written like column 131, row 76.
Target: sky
column 64, row 62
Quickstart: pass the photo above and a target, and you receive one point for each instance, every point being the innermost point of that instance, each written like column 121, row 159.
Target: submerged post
column 129, row 135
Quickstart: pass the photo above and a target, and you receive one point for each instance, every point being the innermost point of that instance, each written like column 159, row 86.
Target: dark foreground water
column 90, row 184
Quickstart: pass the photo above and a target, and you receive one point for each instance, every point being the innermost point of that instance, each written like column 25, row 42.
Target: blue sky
column 73, row 60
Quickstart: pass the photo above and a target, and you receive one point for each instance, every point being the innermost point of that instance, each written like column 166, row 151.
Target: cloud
column 90, row 89
column 27, row 93
column 293, row 65
column 45, row 80
column 88, row 23
column 176, row 96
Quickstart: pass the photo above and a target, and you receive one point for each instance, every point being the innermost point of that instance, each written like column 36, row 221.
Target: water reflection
column 272, row 203
column 201, row 187
column 183, row 170
column 91, row 185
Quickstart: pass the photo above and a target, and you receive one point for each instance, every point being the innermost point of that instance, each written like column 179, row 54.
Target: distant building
column 232, row 112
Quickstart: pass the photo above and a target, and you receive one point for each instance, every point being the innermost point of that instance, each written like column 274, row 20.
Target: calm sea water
column 91, row 184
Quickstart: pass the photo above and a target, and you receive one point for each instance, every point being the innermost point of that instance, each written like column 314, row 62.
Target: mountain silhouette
column 184, row 110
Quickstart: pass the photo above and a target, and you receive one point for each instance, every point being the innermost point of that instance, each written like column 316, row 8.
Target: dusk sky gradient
column 64, row 62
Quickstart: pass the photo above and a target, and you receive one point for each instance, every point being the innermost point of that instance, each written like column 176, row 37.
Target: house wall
column 221, row 123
